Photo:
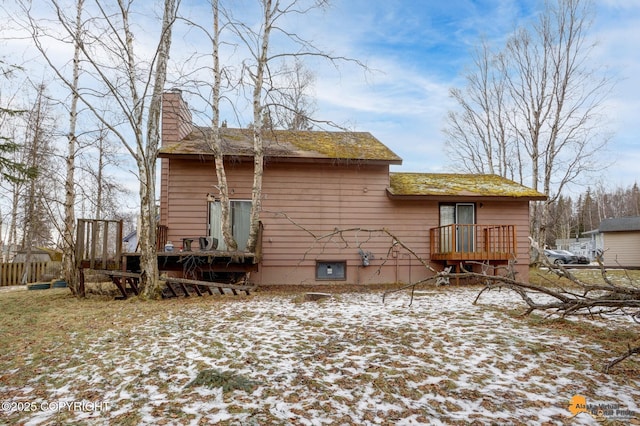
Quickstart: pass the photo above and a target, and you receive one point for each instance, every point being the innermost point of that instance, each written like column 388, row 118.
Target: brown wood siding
column 324, row 198
column 318, row 199
column 621, row 249
column 164, row 192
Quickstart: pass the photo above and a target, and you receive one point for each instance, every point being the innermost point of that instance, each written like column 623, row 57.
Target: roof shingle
column 361, row 146
column 458, row 185
column 620, row 224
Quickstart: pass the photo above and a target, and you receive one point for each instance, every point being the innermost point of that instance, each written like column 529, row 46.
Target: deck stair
column 129, row 282
column 186, row 287
column 121, row 279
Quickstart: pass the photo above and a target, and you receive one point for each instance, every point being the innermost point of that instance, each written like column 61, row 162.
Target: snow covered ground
column 351, row 359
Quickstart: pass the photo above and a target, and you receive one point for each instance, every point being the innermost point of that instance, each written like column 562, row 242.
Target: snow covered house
column 316, row 183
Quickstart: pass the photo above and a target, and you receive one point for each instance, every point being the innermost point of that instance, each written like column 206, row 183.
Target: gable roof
column 620, row 224
column 286, row 145
column 459, row 186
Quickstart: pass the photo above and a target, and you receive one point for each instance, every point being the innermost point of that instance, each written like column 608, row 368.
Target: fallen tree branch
column 340, row 234
column 631, row 351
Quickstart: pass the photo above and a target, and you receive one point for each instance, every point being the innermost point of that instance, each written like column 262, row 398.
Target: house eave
column 461, row 198
column 279, row 159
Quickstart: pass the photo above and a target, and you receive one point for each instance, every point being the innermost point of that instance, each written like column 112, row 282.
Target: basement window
column 331, row 270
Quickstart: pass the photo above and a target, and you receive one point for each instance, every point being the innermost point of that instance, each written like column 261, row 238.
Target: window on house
column 240, row 222
column 331, row 270
column 458, row 218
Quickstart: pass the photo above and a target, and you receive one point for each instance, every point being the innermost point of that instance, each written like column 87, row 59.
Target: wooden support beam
column 170, row 287
column 184, row 288
column 81, row 285
column 197, row 289
column 208, row 285
column 133, row 282
column 121, row 287
column 118, row 273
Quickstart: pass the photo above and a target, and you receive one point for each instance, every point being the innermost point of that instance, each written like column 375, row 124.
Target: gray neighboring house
column 619, row 239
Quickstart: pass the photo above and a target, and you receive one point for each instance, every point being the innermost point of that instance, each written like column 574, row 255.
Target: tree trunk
column 34, row 130
column 68, row 237
column 258, row 145
column 149, row 281
column 216, row 142
column 151, row 287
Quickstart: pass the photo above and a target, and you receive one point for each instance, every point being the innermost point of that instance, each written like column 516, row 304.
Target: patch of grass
column 593, row 276
column 227, row 380
column 144, row 355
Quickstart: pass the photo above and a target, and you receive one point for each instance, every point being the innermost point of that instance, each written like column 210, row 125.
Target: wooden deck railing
column 161, row 237
column 473, row 242
column 99, row 242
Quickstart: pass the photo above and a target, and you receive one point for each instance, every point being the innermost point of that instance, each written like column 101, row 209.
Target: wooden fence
column 11, row 273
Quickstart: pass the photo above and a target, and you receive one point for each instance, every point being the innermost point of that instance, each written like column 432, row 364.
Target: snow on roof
column 361, row 146
column 461, row 185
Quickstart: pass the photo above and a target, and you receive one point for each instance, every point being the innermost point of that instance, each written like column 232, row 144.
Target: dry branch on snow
column 576, row 297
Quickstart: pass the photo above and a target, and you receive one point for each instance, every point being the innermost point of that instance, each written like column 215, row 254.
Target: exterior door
column 240, row 221
column 462, row 218
column 465, row 219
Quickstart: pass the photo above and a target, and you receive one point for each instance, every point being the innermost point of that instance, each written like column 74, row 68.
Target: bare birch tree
column 99, row 189
column 553, row 101
column 259, row 76
column 38, row 130
column 293, row 107
column 214, row 139
column 478, row 134
column 259, row 72
column 68, row 232
column 135, row 87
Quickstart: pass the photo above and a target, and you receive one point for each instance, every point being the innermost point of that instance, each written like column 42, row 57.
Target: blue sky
column 420, row 49
column 417, row 50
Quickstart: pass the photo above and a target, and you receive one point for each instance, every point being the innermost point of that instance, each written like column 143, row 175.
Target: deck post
column 105, row 244
column 94, row 236
column 119, row 243
column 80, row 241
column 81, row 286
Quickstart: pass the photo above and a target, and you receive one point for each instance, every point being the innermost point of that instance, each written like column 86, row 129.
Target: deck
column 99, row 248
column 459, row 243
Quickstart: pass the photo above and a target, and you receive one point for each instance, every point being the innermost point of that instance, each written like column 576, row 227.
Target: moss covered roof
column 288, row 144
column 458, row 185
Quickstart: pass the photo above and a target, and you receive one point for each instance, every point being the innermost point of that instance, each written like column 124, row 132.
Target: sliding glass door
column 240, row 222
column 461, row 218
